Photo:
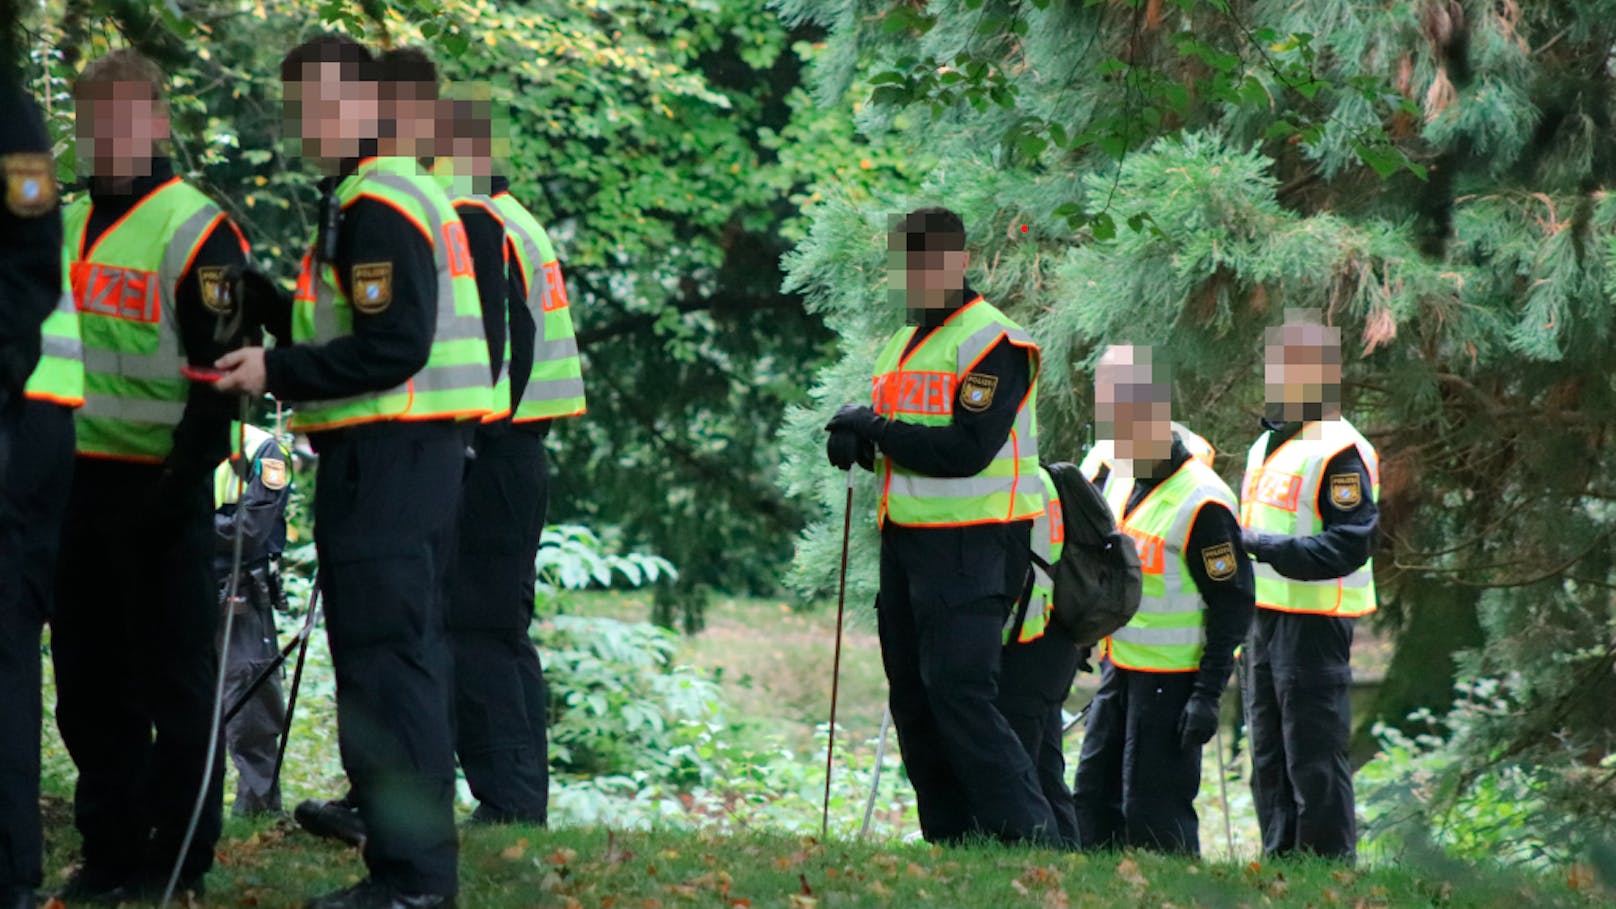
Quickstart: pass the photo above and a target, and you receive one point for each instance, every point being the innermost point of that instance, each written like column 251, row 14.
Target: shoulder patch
column 1219, row 561
column 273, row 473
column 30, row 183
column 976, row 392
column 372, row 286
column 1346, row 491
column 215, row 296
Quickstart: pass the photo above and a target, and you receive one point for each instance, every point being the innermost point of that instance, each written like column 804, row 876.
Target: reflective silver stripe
column 973, row 347
column 547, row 351
column 62, row 347
column 1161, row 637
column 961, row 487
column 560, row 390
column 448, row 378
column 133, row 410
column 1358, row 580
column 181, row 247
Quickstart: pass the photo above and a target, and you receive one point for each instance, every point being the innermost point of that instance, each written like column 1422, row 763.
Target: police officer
column 41, row 380
column 501, row 700
column 147, row 256
column 250, row 493
column 1163, row 673
column 1039, row 665
column 492, row 553
column 1101, row 455
column 390, row 356
column 1308, row 508
column 954, row 422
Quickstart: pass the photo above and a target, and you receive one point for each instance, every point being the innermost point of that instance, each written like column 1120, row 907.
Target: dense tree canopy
column 1432, row 174
column 668, row 150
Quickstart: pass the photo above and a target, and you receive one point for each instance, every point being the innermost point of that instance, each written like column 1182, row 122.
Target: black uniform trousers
column 1300, row 718
column 254, row 735
column 1135, row 786
column 384, row 509
column 135, row 644
column 33, row 498
column 501, row 700
column 1034, row 681
column 946, row 593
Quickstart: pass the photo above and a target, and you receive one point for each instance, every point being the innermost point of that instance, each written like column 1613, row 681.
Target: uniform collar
column 931, row 318
column 1281, row 431
column 105, row 193
column 1164, row 469
column 498, row 184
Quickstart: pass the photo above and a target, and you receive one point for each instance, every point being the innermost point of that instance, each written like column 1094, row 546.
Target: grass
column 272, row 865
column 773, row 667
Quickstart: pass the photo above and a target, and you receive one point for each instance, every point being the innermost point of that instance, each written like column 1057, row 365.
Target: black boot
column 373, row 894
column 337, row 819
column 97, row 886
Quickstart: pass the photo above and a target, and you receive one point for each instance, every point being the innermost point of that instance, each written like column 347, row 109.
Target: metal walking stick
column 836, row 662
column 1223, row 781
column 875, row 782
column 297, row 680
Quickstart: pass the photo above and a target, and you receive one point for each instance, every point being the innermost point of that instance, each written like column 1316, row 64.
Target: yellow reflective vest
column 1280, row 495
column 923, row 386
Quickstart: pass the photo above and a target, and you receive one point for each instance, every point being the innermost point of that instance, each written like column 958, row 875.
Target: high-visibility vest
column 1102, row 454
column 922, row 387
column 456, row 382
column 556, row 386
column 227, row 483
column 1048, row 542
column 501, row 407
column 1168, row 633
column 125, row 289
column 1280, row 495
column 59, row 376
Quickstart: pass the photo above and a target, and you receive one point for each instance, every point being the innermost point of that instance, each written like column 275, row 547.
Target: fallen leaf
column 1580, row 877
column 1056, row 899
column 915, row 870
column 515, row 851
column 1020, row 888
column 798, row 901
column 740, row 904
column 559, row 857
column 1128, row 871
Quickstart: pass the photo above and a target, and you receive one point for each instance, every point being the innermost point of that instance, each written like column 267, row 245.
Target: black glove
column 860, row 421
column 1199, row 722
column 1084, row 655
column 1252, row 541
column 842, row 449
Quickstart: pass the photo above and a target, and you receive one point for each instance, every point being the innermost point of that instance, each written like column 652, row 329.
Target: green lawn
column 773, row 667
column 515, row 868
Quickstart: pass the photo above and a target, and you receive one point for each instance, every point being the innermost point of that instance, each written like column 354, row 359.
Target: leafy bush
column 573, row 557
column 618, row 703
column 1418, row 794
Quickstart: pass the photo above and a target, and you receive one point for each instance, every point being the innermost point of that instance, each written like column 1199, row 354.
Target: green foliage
column 573, row 557
column 619, row 705
column 668, row 149
column 1432, row 175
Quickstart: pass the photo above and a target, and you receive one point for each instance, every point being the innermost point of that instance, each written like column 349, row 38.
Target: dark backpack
column 1096, row 579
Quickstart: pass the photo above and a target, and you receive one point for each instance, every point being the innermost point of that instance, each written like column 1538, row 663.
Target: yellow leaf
column 798, row 901
column 1128, row 872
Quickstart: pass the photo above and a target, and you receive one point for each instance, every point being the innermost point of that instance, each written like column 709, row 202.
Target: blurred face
column 1133, row 408
column 1302, row 372
column 411, row 116
column 925, row 277
column 118, row 126
column 464, row 140
column 332, row 111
